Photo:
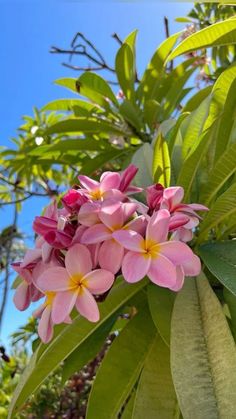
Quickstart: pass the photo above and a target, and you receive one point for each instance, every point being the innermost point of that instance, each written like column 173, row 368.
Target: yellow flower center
column 50, row 297
column 77, row 282
column 96, row 194
column 151, row 248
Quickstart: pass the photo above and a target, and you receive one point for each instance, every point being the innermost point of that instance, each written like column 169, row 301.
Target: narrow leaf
column 161, row 162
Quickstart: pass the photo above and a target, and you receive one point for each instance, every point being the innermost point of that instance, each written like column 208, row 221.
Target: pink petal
column 138, row 224
column 130, row 240
column 114, row 194
column 198, row 207
column 45, row 327
column 179, row 279
column 88, row 214
column 112, row 215
column 162, row 272
column 31, row 256
column 46, row 252
column 176, row 251
column 98, row 281
column 62, row 305
column 111, row 255
column 158, row 226
column 127, row 176
column 87, row 306
column 128, row 209
column 94, row 251
column 22, row 296
column 192, row 267
column 177, row 221
column 88, row 183
column 78, row 234
column 109, row 180
column 96, row 234
column 58, row 239
column 135, row 266
column 182, row 234
column 78, row 260
column 173, row 195
column 53, row 279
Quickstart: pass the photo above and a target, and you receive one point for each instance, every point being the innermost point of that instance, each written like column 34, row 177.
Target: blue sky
column 27, row 69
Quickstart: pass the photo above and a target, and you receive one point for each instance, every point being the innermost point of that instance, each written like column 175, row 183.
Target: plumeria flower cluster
column 97, row 232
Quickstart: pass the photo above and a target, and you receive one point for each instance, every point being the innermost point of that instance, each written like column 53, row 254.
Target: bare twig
column 117, row 38
column 8, row 248
column 167, row 34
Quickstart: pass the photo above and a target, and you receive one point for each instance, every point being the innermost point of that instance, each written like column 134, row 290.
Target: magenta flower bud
column 154, row 195
column 73, row 200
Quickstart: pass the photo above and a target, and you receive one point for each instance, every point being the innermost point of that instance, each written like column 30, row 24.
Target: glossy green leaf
column 151, row 113
column 87, row 350
column 89, row 166
column 132, row 114
column 125, row 70
column 151, row 77
column 131, row 40
column 121, row 367
column 191, row 165
column 193, row 127
column 143, row 159
column 224, row 168
column 67, row 105
column 197, row 99
column 47, row 357
column 69, row 83
column 161, row 302
column 129, row 407
column 230, row 300
column 82, row 124
column 222, row 210
column 95, row 88
column 220, row 259
column 221, row 33
column 155, row 395
column 203, row 354
column 161, row 169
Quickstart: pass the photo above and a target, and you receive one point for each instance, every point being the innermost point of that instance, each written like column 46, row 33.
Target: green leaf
column 184, row 19
column 151, row 77
column 67, row 105
column 132, row 114
column 161, row 301
column 91, row 165
column 155, row 395
column 221, row 33
column 190, row 167
column 121, row 367
column 161, row 162
column 193, row 127
column 143, row 158
column 230, row 300
column 69, row 145
column 82, row 124
column 131, row 40
column 69, row 337
column 125, row 70
column 129, row 407
column 172, row 98
column 203, row 354
column 69, row 83
column 222, row 210
column 95, row 88
column 197, row 99
column 220, row 173
column 17, row 281
column 87, row 350
column 220, row 259
column 152, row 112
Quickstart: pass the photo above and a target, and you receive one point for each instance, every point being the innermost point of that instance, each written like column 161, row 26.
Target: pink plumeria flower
column 44, row 312
column 73, row 200
column 161, row 260
column 107, row 187
column 75, row 285
column 113, row 216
